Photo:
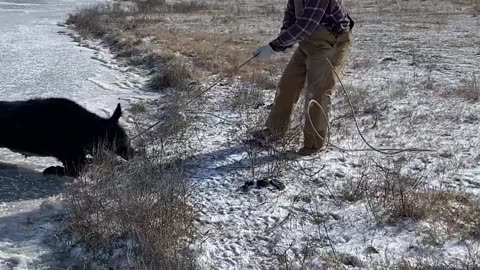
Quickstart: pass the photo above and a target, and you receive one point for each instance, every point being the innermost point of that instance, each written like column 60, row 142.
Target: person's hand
column 263, row 52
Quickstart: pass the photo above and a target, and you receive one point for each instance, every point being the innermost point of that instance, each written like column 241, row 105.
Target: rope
column 385, row 151
column 198, row 95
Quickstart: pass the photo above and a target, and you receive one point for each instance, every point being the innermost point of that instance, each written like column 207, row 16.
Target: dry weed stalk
column 140, row 207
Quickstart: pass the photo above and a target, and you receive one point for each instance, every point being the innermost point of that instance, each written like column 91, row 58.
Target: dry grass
column 262, row 80
column 149, row 6
column 392, row 194
column 468, row 262
column 219, row 53
column 123, row 28
column 362, row 100
column 161, row 6
column 470, row 90
column 93, row 21
column 354, row 189
column 149, row 37
column 139, row 209
column 174, row 74
column 247, row 98
column 190, row 6
column 439, row 6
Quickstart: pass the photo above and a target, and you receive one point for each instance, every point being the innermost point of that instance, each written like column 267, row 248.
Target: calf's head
column 117, row 138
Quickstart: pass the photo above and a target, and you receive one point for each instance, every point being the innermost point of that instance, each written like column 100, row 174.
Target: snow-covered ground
column 400, row 71
column 403, row 65
column 39, row 59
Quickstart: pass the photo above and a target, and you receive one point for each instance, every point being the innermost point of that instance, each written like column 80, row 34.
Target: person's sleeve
column 289, row 15
column 312, row 14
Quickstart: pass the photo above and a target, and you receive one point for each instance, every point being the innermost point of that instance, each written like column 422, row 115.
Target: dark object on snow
column 62, row 129
column 247, row 185
column 371, row 250
column 277, row 184
column 263, row 183
column 350, row 260
column 389, row 59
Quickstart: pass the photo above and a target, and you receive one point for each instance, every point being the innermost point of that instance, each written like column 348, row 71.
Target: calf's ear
column 116, row 114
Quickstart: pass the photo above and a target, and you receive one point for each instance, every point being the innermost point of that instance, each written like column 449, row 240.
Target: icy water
column 37, row 59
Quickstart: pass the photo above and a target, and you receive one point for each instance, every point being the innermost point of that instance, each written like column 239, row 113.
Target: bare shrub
column 247, row 98
column 168, row 121
column 138, row 208
column 396, row 193
column 354, row 189
column 468, row 90
column 468, row 261
column 467, row 219
column 297, row 259
column 87, row 20
column 175, row 74
column 219, row 53
column 335, row 260
column 262, row 80
column 391, row 192
column 189, row 6
column 94, row 20
column 362, row 101
column 137, row 108
column 397, row 197
column 149, row 6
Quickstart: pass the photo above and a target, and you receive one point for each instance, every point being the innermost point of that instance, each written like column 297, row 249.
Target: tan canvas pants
column 309, row 68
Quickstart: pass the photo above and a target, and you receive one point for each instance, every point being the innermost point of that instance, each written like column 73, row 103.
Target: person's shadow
column 233, row 158
column 20, row 183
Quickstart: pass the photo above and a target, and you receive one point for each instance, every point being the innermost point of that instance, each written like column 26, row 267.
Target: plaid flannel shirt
column 328, row 13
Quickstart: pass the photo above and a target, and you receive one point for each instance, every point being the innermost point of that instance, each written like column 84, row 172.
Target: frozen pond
column 37, row 59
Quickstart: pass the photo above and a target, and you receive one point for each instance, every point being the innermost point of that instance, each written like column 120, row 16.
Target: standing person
column 323, row 30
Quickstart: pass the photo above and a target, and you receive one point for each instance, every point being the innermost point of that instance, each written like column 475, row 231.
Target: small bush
column 262, row 80
column 394, row 193
column 93, row 21
column 143, row 202
column 175, row 74
column 362, row 101
column 87, row 20
column 476, row 8
column 469, row 90
column 390, row 190
column 149, row 6
column 189, row 6
column 354, row 189
column 247, row 98
column 397, row 197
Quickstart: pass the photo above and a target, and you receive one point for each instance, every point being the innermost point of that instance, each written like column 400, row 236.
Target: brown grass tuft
column 175, row 74
column 189, row 6
column 468, row 90
column 143, row 202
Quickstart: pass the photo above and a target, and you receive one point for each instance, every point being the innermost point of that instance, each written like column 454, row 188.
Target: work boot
column 264, row 136
column 307, row 151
